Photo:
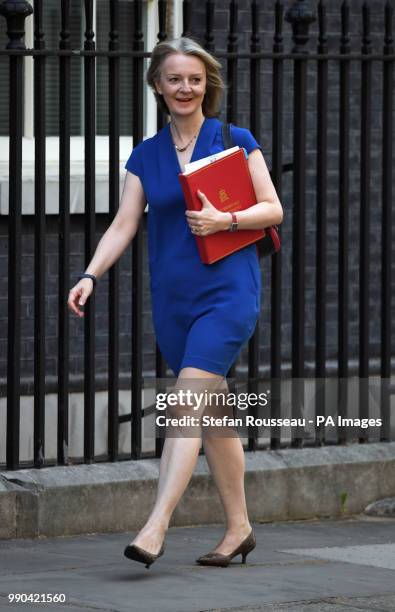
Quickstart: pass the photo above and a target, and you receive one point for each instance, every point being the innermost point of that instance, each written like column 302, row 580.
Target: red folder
column 227, row 184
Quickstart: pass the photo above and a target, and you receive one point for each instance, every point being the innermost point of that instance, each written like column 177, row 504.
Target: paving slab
column 385, row 603
column 376, row 555
column 307, row 565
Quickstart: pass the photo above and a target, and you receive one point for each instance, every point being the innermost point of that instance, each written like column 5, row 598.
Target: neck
column 187, row 126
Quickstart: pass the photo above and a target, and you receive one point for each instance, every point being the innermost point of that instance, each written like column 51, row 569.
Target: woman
column 203, row 313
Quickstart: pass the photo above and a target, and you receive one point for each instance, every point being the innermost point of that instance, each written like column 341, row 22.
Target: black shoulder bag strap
column 227, row 136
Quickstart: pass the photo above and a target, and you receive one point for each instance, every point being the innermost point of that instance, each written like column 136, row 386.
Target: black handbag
column 270, row 243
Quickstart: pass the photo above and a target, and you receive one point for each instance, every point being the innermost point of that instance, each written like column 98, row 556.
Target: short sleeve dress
column 203, row 314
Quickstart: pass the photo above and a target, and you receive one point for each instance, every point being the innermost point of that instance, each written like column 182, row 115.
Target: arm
column 115, row 240
column 268, row 211
column 122, row 229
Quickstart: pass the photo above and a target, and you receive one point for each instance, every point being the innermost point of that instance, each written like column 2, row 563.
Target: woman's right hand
column 79, row 294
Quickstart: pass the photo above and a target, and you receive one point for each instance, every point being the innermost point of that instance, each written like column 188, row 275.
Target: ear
column 158, row 88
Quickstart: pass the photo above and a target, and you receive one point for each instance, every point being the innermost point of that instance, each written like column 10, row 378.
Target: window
column 51, row 28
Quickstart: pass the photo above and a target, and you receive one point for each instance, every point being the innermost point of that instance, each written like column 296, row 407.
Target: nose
column 185, row 85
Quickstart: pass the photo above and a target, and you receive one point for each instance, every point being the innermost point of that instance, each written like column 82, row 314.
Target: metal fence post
column 15, row 13
column 300, row 15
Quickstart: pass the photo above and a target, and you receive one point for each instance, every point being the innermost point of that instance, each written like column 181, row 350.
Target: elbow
column 279, row 213
column 280, row 216
column 276, row 213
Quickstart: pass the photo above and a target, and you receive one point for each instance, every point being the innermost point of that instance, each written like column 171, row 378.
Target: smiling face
column 182, row 83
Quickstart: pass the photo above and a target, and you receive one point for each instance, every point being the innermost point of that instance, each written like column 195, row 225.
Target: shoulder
column 244, row 138
column 141, row 152
column 146, row 145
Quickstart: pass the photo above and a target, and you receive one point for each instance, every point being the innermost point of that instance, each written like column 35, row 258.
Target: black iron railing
column 300, row 16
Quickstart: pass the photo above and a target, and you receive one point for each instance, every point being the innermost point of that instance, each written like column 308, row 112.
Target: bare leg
column 225, row 457
column 178, row 461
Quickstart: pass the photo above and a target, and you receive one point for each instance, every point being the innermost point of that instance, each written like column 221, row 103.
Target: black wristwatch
column 86, row 275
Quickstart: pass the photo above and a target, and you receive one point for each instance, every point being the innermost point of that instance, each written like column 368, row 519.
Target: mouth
column 183, row 99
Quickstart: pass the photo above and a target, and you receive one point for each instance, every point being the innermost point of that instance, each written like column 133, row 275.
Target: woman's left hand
column 208, row 220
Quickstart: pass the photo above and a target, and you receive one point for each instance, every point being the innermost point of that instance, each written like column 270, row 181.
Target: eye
column 197, row 79
column 173, row 79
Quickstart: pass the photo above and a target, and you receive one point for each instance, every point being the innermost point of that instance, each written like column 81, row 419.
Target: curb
column 281, row 485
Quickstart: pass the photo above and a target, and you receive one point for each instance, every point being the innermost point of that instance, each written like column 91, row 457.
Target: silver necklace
column 181, row 149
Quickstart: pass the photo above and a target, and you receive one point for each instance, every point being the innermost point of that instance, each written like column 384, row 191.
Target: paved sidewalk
column 323, row 565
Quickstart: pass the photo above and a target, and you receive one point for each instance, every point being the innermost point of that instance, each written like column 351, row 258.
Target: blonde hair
column 214, row 83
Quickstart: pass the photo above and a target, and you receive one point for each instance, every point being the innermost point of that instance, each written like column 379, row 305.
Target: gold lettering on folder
column 223, row 196
column 235, row 205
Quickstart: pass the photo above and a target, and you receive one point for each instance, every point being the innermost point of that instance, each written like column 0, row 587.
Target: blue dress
column 203, row 314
